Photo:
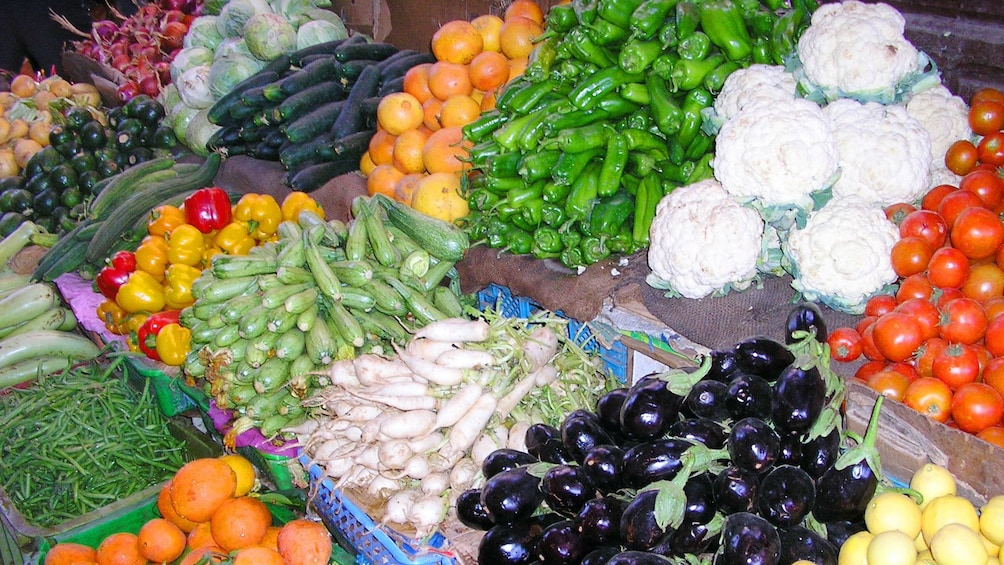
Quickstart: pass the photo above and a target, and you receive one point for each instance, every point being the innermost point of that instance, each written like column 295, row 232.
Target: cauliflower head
column 842, row 255
column 885, row 154
column 753, row 85
column 945, row 116
column 854, row 49
column 776, row 154
column 703, row 242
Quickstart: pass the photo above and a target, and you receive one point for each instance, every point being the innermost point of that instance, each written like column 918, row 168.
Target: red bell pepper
column 208, row 209
column 146, row 336
column 115, row 274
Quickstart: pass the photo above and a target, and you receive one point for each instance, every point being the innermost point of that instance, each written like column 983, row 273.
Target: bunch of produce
column 266, row 323
column 210, row 511
column 141, row 46
column 315, row 112
column 418, row 154
column 70, row 434
column 607, row 119
column 412, row 430
column 229, row 43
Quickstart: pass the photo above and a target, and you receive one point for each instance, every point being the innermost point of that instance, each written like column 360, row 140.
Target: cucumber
column 350, row 70
column 391, row 86
column 308, row 99
column 375, row 51
column 327, row 48
column 254, row 98
column 314, row 123
column 351, row 119
column 124, row 184
column 295, row 155
column 441, row 239
column 353, row 144
column 321, row 70
column 313, row 177
column 394, row 67
column 219, row 112
column 264, row 151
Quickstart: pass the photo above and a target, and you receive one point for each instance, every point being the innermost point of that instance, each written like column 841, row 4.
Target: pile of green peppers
column 606, row 120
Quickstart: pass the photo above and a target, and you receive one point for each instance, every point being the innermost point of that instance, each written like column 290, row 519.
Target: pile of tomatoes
column 937, row 344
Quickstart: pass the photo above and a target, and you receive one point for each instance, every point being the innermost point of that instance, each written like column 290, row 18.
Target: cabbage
column 169, row 96
column 226, row 72
column 193, row 86
column 198, row 132
column 181, row 115
column 317, row 14
column 236, row 13
column 293, row 9
column 269, row 35
column 232, row 46
column 319, row 31
column 213, row 7
column 204, row 32
column 188, row 58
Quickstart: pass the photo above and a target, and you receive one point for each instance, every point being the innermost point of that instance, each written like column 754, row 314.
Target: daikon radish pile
column 413, row 429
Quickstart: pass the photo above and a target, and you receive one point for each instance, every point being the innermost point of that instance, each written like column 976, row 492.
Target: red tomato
column 988, row 93
column 993, row 338
column 906, row 369
column 880, row 304
column 985, row 281
column 961, row 157
column 994, row 307
column 896, row 212
column 915, row 286
column 985, row 184
column 953, row 204
column 910, row 255
column 986, row 117
column 889, row 384
column 933, row 198
column 863, row 324
column 978, row 233
column 868, row 346
column 897, row 335
column 956, row 365
column 930, row 397
column 924, row 361
column 926, row 314
column 947, row 295
column 845, row 344
column 993, row 374
column 948, row 268
column 977, row 406
column 868, row 369
column 993, row 434
column 926, row 224
column 991, row 149
column 963, row 321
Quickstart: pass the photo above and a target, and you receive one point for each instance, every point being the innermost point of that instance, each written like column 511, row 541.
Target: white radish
column 402, row 388
column 417, row 467
column 435, row 483
column 516, row 394
column 405, row 403
column 396, row 508
column 540, row 347
column 363, row 413
column 407, row 425
column 427, row 513
column 394, row 454
column 338, row 468
column 482, row 447
column 466, row 430
column 371, row 429
column 545, row 376
column 427, row 443
column 343, row 373
column 373, row 369
column 453, row 409
column 353, row 433
column 369, row 457
column 430, row 371
column 430, row 349
column 304, row 428
column 463, row 474
column 456, row 329
column 330, row 449
column 381, row 487
column 517, row 436
column 466, row 359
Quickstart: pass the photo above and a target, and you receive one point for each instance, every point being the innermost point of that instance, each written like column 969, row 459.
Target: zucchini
column 327, row 48
column 313, row 177
column 308, row 99
column 375, row 51
column 314, row 123
column 442, row 240
column 351, row 119
column 124, row 184
column 219, row 112
column 394, row 67
column 321, row 70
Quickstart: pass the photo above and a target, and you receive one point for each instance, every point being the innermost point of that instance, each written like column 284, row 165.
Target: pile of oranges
column 417, row 155
column 209, row 513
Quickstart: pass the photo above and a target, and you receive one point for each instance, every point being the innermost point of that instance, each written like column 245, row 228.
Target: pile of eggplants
column 741, row 460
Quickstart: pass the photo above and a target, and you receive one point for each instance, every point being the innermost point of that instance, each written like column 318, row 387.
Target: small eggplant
column 653, row 461
column 723, row 364
column 471, row 512
column 603, row 465
column 566, row 489
column 819, row 453
column 600, row 555
column 505, row 459
column 639, row 528
column 843, row 492
column 608, row 408
column 638, row 558
column 749, row 396
column 799, row 396
column 804, row 319
column 561, row 544
column 700, row 493
column 509, row 544
column 791, row 449
column 749, row 539
column 538, row 433
column 649, row 409
column 838, row 532
column 707, row 400
column 580, row 432
column 763, row 356
column 599, row 520
column 552, row 451
column 511, row 496
column 753, row 445
column 799, row 543
column 699, row 430
column 786, row 495
column 736, row 490
column 691, row 539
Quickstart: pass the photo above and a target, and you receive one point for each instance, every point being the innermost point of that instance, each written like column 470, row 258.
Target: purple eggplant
column 509, row 544
column 838, row 532
column 471, row 512
column 600, row 555
column 631, row 557
column 561, row 544
column 804, row 319
column 511, row 496
column 653, row 461
column 799, row 397
column 603, row 465
column 799, row 543
column 706, row 399
column 566, row 489
column 538, row 433
column 748, row 539
column 819, row 453
column 691, row 539
column 753, row 445
column 599, row 520
column 763, row 356
column 736, row 490
column 843, row 492
column 581, row 431
column 505, row 459
column 699, row 430
column 749, row 396
column 649, row 409
column 723, row 364
column 639, row 527
column 552, row 451
column 786, row 495
column 791, row 449
column 608, row 408
column 700, row 493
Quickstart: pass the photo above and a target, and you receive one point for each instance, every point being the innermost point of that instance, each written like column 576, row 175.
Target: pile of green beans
column 78, row 440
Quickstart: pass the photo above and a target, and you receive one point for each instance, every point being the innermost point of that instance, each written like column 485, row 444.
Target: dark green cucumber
column 255, row 97
column 375, row 51
column 391, row 86
column 295, row 155
column 326, row 48
column 123, row 184
column 397, row 66
column 350, row 70
column 226, row 136
column 313, row 124
column 351, row 119
column 308, row 99
column 219, row 112
column 313, row 177
column 352, row 144
column 316, row 72
column 262, row 150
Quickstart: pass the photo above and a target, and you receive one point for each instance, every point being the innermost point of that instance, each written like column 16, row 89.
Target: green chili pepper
column 503, row 165
column 513, row 88
column 552, row 214
column 508, row 135
column 519, row 241
column 773, row 5
column 723, row 21
column 497, row 232
column 644, row 141
column 761, row 52
column 547, row 240
column 663, row 65
column 636, row 55
column 640, row 119
column 688, row 75
column 481, row 152
column 761, row 24
column 537, row 128
column 482, row 127
column 784, row 35
column 635, row 92
column 694, row 47
column 616, row 106
column 584, row 192
column 482, row 199
column 521, row 222
column 676, row 151
column 606, row 34
column 666, row 112
column 621, row 242
column 676, row 173
column 519, row 196
column 570, row 237
column 618, row 12
column 699, row 146
column 585, row 10
column 714, row 80
column 646, row 201
column 594, row 249
column 505, row 211
column 537, row 166
column 578, row 44
column 571, row 165
column 543, row 56
column 608, row 215
column 702, row 171
column 527, row 97
column 667, row 34
column 747, row 8
column 589, row 91
column 642, row 163
column 649, row 16
column 688, row 19
column 561, row 18
column 613, row 165
column 554, row 192
column 571, row 257
column 583, row 138
column 502, row 185
column 532, row 212
column 695, row 101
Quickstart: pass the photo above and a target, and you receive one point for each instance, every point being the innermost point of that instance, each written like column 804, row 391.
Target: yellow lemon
column 893, row 511
column 992, row 520
column 247, row 475
column 932, row 481
column 855, row 549
column 891, row 547
column 949, row 509
column 957, row 544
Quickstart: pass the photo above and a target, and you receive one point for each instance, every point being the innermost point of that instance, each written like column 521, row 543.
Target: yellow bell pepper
column 141, row 293
column 235, row 238
column 173, row 344
column 134, row 323
column 114, row 317
column 186, row 245
column 261, row 212
column 178, row 290
column 209, row 253
column 151, row 256
column 297, row 201
column 164, row 218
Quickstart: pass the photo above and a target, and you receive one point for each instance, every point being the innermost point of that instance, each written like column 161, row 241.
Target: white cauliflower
column 854, row 49
column 842, row 255
column 776, row 155
column 945, row 116
column 885, row 155
column 756, row 84
column 703, row 242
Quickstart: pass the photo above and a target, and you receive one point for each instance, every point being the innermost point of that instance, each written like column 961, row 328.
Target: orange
column 381, row 147
column 398, row 112
column 247, row 476
column 517, row 35
column 406, row 187
column 459, row 110
column 201, row 486
column 68, row 553
column 526, row 8
column 457, row 41
column 166, row 508
column 488, row 25
column 366, row 164
column 517, row 67
column 488, row 100
column 416, row 82
column 382, row 179
column 488, row 70
column 240, row 522
column 161, row 541
column 303, row 542
column 408, row 151
column 201, row 536
column 446, row 150
column 271, row 538
column 119, row 549
column 447, row 79
column 211, row 552
column 258, row 556
column 430, row 113
column 438, row 195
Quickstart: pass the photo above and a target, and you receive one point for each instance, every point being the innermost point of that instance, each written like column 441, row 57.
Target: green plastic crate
column 173, row 395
